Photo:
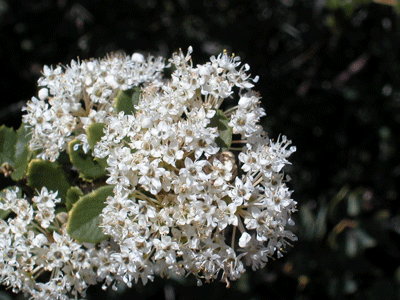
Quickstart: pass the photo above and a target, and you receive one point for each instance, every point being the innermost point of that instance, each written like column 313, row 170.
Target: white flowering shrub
column 123, row 175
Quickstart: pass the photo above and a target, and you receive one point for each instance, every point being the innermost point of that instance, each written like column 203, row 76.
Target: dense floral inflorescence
column 182, row 204
column 35, row 247
column 198, row 188
column 83, row 94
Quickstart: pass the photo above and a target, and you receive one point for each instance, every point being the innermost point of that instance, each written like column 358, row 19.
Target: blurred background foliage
column 330, row 80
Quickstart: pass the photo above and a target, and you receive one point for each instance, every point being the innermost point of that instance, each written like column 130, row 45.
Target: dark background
column 330, row 81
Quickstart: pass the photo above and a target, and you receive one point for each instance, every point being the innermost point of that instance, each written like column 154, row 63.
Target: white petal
column 43, row 94
column 137, row 57
column 244, row 239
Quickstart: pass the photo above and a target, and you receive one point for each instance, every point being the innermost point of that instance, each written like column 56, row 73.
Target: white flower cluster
column 182, row 204
column 38, row 257
column 198, row 189
column 80, row 95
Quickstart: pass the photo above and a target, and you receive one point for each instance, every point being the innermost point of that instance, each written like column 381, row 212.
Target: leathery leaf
column 84, row 217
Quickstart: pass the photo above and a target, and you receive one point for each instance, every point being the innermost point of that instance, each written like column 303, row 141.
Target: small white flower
column 241, row 192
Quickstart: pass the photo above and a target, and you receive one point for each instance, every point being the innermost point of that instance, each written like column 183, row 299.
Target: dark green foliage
column 94, row 133
column 224, row 139
column 73, row 195
column 7, row 141
column 14, row 151
column 89, row 169
column 83, row 222
column 126, row 100
column 49, row 174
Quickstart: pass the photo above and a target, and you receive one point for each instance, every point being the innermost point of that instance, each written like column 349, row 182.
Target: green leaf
column 5, row 213
column 73, row 195
column 8, row 138
column 84, row 217
column 126, row 100
column 22, row 154
column 225, row 131
column 94, row 133
column 88, row 168
column 49, row 174
column 14, row 152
